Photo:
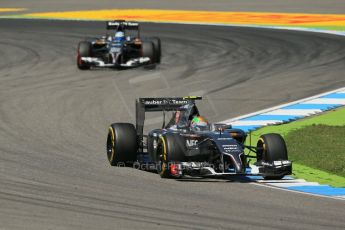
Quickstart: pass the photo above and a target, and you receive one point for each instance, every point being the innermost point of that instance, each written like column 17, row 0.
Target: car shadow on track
column 227, row 179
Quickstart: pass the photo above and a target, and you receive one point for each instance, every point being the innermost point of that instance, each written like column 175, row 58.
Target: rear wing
column 143, row 105
column 122, row 25
column 165, row 104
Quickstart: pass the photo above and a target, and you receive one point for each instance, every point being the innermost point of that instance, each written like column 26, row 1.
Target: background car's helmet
column 199, row 123
column 119, row 36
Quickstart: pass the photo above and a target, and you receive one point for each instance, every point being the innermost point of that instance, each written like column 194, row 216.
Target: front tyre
column 157, row 46
column 271, row 147
column 122, row 145
column 84, row 50
column 148, row 50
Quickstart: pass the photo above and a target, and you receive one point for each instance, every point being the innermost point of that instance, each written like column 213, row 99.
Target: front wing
column 98, row 62
column 277, row 168
column 205, row 169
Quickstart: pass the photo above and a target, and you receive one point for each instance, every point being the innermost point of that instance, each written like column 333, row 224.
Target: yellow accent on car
column 111, row 130
column 100, row 42
column 263, row 143
column 164, row 168
column 234, row 134
column 164, row 148
column 137, row 41
column 192, row 97
column 164, row 165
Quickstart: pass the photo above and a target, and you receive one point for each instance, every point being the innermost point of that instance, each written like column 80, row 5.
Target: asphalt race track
column 53, row 122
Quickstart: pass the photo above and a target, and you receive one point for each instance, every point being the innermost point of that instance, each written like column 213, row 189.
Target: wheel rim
column 80, row 62
column 111, row 145
column 162, row 163
column 261, row 152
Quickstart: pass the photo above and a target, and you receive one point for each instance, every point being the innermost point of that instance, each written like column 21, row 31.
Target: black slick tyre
column 122, row 145
column 148, row 50
column 157, row 46
column 84, row 50
column 171, row 149
column 272, row 147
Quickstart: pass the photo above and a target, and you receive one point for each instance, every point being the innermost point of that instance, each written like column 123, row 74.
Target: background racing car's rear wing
column 122, row 24
column 143, row 105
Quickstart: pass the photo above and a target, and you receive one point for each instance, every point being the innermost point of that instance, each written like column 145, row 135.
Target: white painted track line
column 286, row 185
column 254, row 122
column 297, row 112
column 333, row 101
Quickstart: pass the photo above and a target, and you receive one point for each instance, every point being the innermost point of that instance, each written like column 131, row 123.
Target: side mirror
column 220, row 127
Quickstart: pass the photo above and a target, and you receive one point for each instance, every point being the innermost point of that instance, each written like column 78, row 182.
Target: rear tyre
column 122, row 145
column 148, row 50
column 171, row 149
column 271, row 147
column 84, row 50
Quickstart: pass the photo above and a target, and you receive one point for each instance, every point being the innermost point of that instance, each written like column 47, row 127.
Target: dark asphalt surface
column 292, row 6
column 53, row 120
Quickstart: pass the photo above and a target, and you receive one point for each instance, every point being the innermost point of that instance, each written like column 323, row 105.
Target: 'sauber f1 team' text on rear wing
column 121, row 24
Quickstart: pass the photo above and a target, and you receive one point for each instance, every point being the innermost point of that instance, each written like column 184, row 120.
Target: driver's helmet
column 119, row 36
column 199, row 123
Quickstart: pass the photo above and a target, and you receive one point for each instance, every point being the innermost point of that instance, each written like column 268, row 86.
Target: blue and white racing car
column 123, row 48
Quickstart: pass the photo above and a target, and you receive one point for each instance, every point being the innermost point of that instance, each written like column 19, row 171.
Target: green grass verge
column 333, row 28
column 319, row 146
column 302, row 168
